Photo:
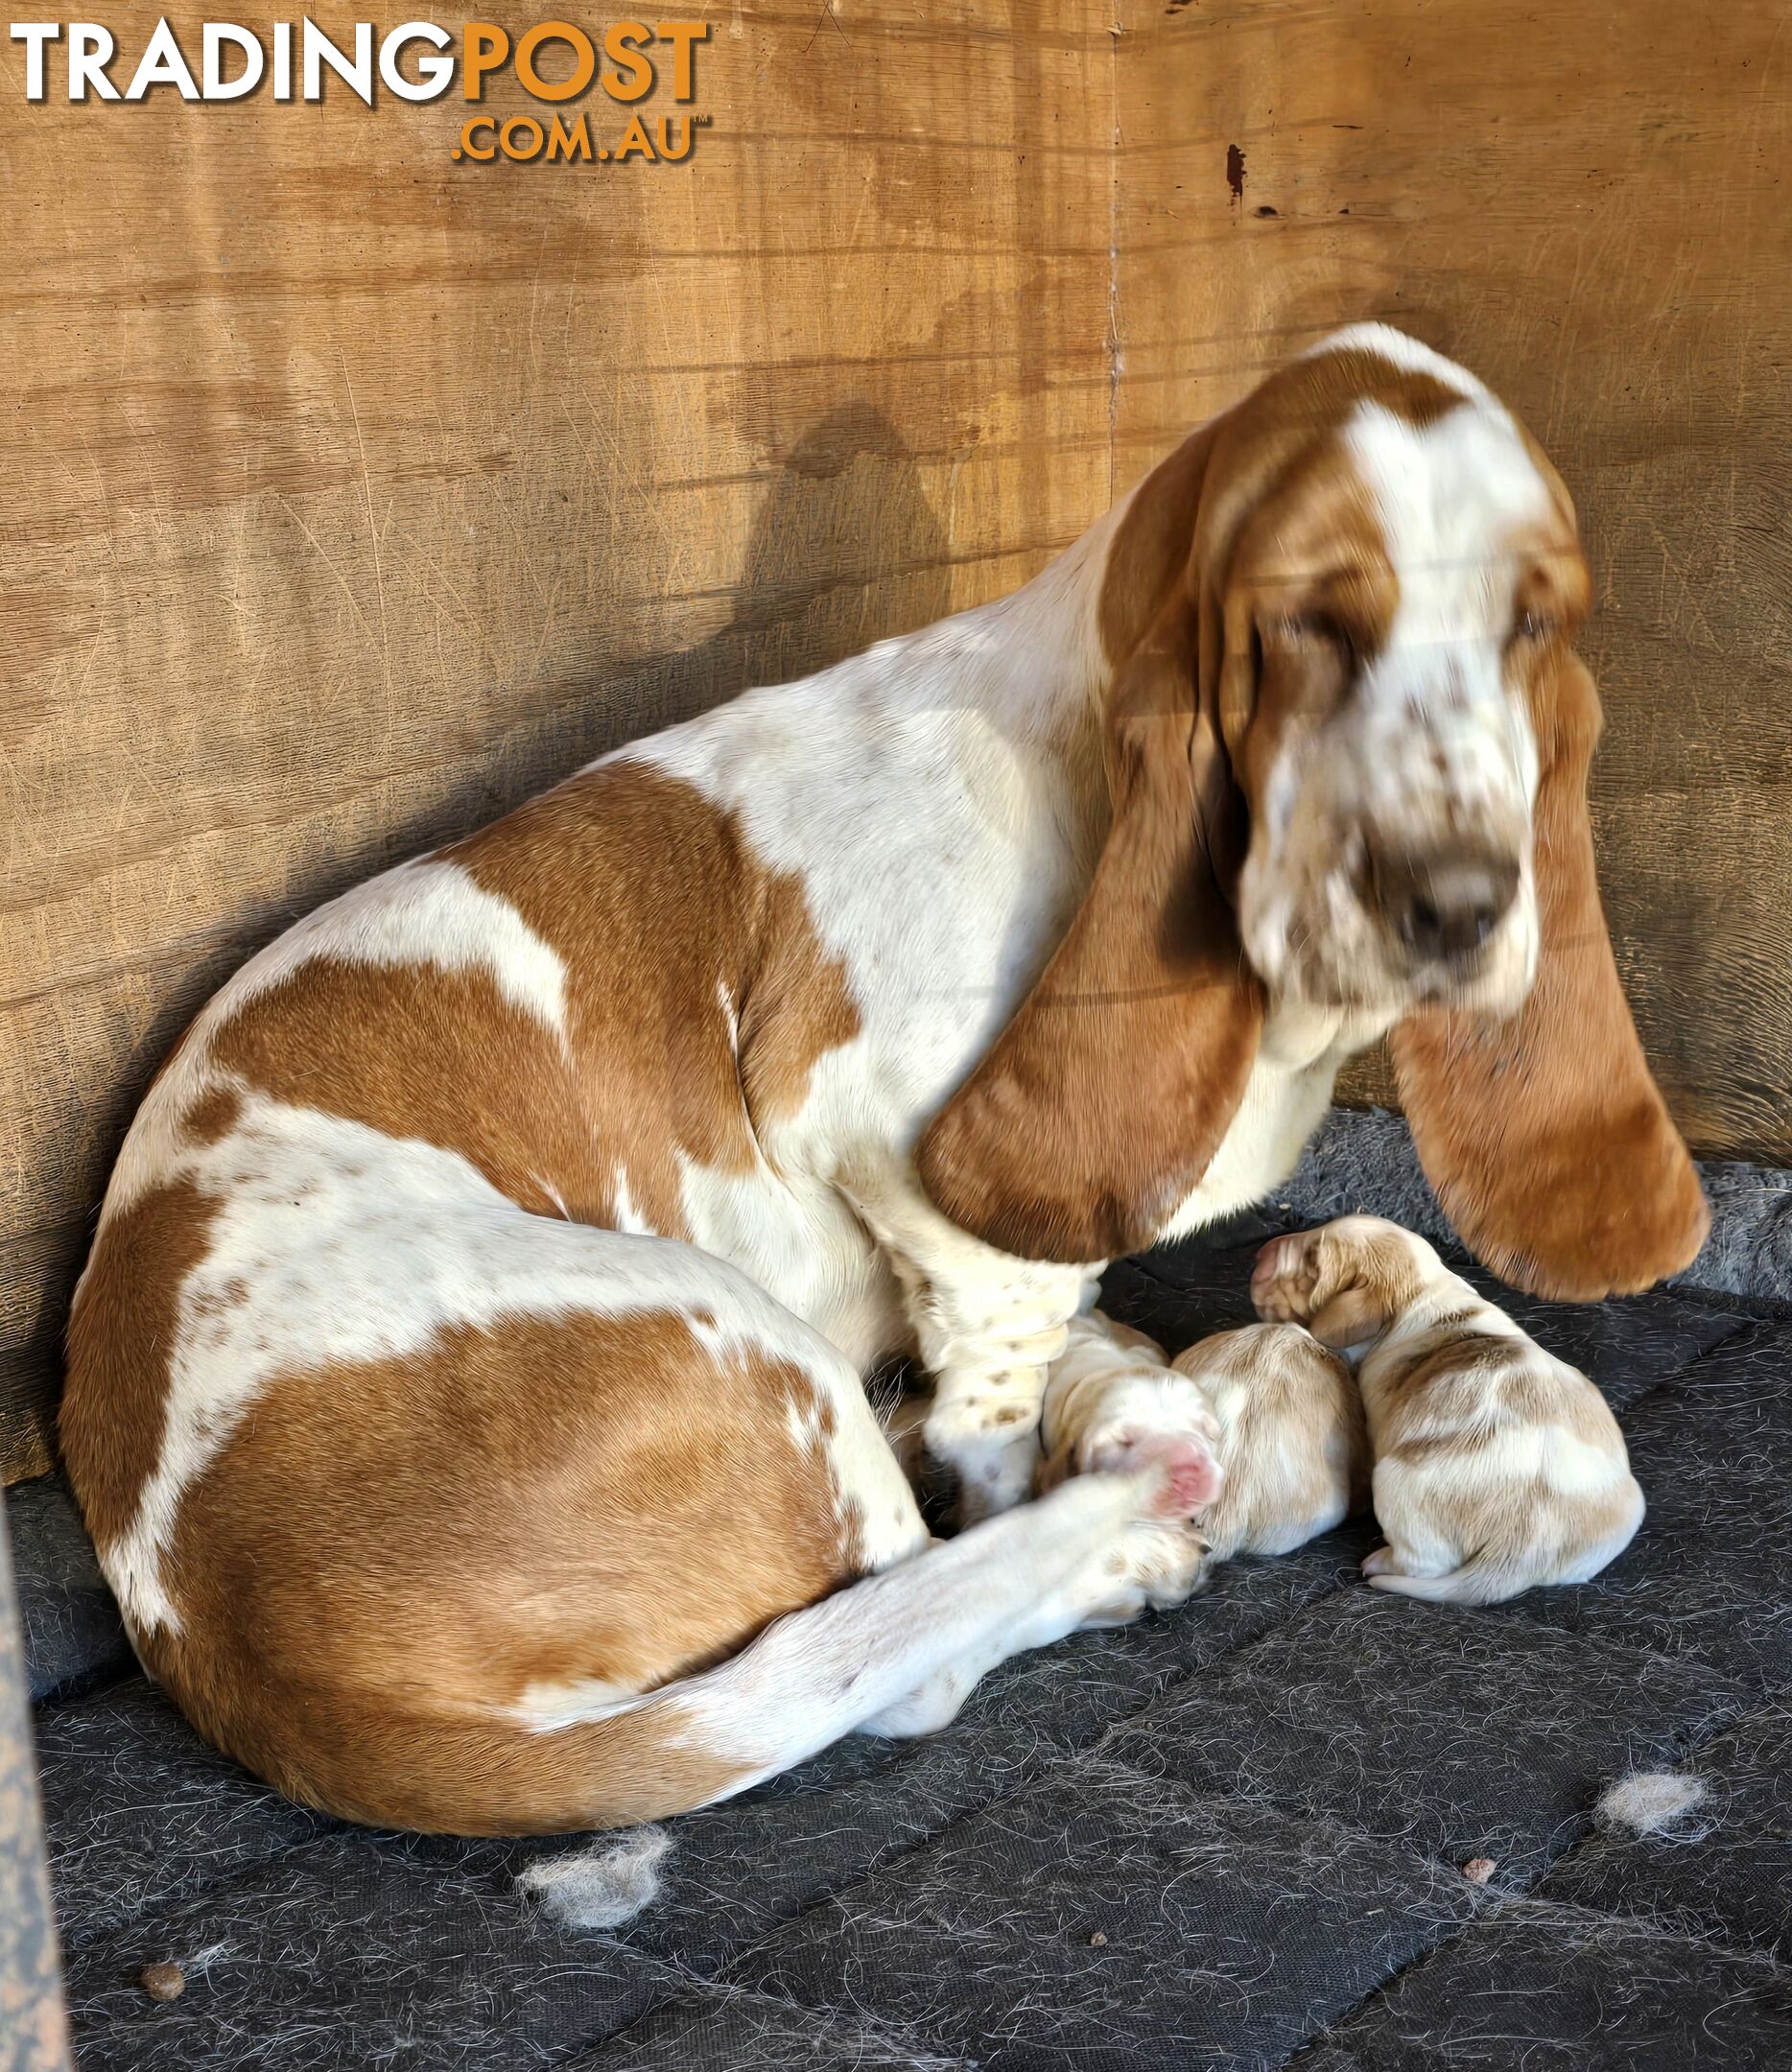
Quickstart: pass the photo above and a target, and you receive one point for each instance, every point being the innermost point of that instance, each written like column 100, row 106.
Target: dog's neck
column 1032, row 663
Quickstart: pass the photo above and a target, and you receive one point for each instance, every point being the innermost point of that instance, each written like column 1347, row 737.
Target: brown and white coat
column 1498, row 1467
column 468, row 1366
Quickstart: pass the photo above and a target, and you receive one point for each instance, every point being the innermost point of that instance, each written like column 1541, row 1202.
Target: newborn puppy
column 1113, row 1402
column 1291, row 1438
column 1497, row 1466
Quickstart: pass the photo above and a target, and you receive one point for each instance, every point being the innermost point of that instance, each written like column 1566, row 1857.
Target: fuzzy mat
column 1233, row 1836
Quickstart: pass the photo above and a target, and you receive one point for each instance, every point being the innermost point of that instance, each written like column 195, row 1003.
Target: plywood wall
column 351, row 492
column 1589, row 205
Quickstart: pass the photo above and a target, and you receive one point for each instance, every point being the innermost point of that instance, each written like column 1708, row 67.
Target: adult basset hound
column 465, row 1392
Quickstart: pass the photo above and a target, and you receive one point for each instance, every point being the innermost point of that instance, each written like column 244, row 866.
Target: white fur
column 898, row 1653
column 424, row 912
column 1114, row 1403
column 1409, row 354
column 602, row 1887
column 335, row 1243
column 1650, row 1802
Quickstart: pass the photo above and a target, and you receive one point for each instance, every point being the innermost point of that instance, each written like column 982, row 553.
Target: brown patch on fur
column 1101, row 1104
column 1293, row 414
column 1309, row 604
column 1482, row 1385
column 544, row 1502
column 213, row 1116
column 418, row 1051
column 1148, row 555
column 1104, row 1098
column 121, row 1336
column 1544, row 1136
column 1473, row 1358
column 657, row 905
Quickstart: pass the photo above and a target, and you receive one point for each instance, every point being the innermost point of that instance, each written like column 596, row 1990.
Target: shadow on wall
column 845, row 551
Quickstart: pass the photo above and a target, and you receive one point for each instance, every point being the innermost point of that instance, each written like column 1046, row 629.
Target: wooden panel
column 352, row 493
column 1586, row 205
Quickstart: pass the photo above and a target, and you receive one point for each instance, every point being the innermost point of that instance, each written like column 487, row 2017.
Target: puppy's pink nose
column 1192, row 1479
column 1191, row 1475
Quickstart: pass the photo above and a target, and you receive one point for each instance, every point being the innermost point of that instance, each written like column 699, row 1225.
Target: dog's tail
column 894, row 1653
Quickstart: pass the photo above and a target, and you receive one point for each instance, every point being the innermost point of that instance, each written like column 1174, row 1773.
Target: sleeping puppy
column 1497, row 1466
column 1115, row 1403
column 1277, row 1410
column 1291, row 1438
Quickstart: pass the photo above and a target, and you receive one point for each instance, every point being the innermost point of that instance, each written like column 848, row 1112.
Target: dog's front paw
column 991, row 1443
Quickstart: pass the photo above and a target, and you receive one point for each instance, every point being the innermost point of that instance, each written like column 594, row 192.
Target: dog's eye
column 1534, row 625
column 1312, row 629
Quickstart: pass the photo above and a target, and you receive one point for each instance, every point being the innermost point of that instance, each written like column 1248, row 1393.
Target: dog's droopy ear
column 1547, row 1140
column 1102, row 1102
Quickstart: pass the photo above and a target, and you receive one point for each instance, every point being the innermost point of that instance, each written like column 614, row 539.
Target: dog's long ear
column 1547, row 1142
column 1103, row 1100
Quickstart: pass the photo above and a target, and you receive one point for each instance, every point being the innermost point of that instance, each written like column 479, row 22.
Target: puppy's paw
column 1284, row 1279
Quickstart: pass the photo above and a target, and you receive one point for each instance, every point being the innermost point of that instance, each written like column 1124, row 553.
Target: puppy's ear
column 1054, row 1467
column 1545, row 1138
column 1101, row 1103
column 1352, row 1316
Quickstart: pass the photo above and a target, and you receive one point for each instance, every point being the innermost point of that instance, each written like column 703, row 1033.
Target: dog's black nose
column 1444, row 906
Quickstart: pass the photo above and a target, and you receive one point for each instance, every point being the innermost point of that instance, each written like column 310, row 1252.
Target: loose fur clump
column 1649, row 1802
column 603, row 1887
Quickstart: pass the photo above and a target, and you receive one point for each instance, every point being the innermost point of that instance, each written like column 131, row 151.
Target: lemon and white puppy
column 1115, row 1404
column 1498, row 1467
column 1291, row 1438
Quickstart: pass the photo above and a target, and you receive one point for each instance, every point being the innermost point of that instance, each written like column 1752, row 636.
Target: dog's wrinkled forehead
column 1453, row 499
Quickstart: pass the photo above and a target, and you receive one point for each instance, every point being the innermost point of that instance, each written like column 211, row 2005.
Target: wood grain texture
column 1587, row 205
column 352, row 493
